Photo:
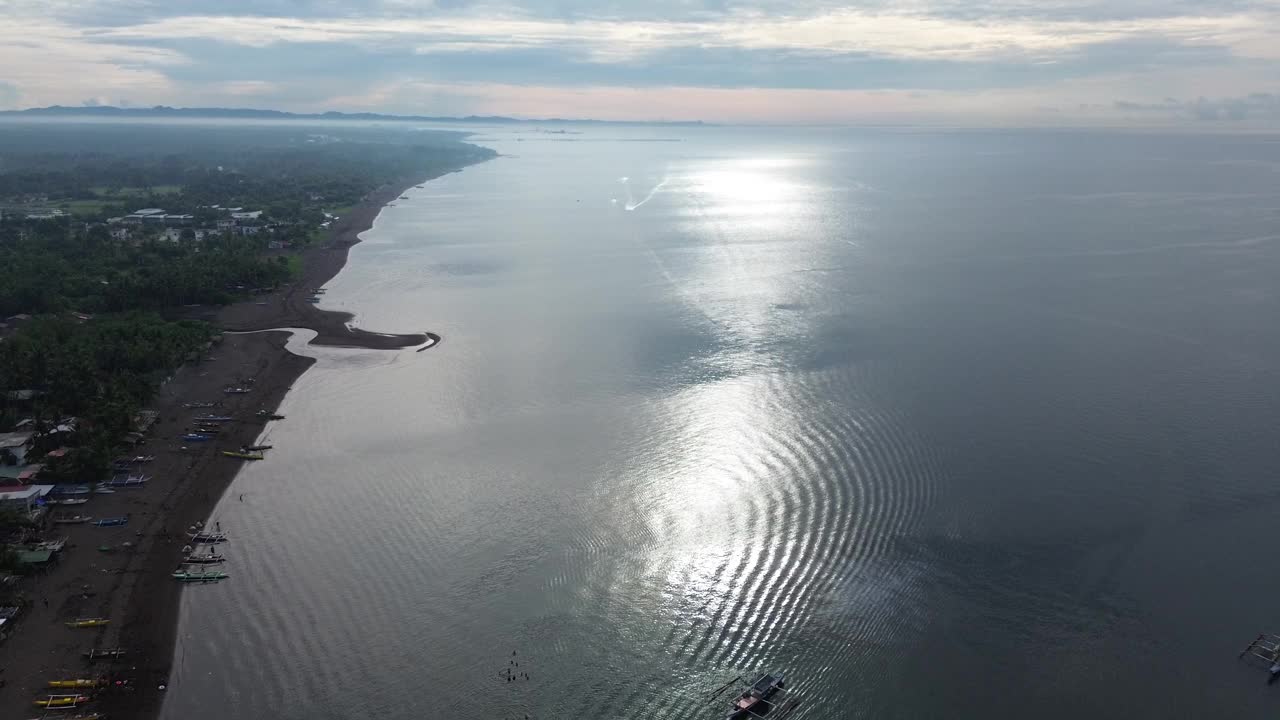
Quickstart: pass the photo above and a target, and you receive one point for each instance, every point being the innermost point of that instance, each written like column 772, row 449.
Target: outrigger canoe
column 207, row 559
column 255, row 448
column 108, row 654
column 210, row 576
column 88, row 623
column 195, row 437
column 78, row 683
column 111, row 522
column 243, row 455
column 204, row 538
column 72, row 519
column 58, row 701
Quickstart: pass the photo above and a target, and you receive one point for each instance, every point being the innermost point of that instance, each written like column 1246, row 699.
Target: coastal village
column 126, row 409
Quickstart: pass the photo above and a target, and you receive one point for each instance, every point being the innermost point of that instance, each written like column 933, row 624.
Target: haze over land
column 1130, row 62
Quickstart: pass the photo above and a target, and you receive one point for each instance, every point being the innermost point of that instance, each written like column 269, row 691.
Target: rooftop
column 149, row 211
column 15, row 439
column 26, row 493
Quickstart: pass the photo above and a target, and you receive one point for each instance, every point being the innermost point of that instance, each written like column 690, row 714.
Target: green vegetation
column 98, row 283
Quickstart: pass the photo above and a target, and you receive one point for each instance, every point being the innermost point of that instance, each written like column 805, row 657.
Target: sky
column 981, row 62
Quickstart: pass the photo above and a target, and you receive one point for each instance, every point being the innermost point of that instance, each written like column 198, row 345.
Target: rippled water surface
column 962, row 424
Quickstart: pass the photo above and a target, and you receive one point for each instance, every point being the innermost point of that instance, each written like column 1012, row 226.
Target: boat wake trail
column 632, row 203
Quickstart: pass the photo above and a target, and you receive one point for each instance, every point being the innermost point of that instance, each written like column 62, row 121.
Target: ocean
column 938, row 423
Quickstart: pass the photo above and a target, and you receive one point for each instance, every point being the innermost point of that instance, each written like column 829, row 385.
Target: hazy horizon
column 998, row 62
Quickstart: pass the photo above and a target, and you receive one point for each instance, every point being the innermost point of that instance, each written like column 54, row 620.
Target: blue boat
column 70, row 490
column 196, row 437
column 111, row 522
column 213, row 418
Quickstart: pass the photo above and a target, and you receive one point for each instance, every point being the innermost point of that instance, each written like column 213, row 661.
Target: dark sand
column 132, row 587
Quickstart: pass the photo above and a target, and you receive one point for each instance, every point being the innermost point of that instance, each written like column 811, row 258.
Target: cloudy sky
column 935, row 61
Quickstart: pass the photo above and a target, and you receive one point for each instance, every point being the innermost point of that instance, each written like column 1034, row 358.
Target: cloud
column 1254, row 106
column 1019, row 57
column 833, row 32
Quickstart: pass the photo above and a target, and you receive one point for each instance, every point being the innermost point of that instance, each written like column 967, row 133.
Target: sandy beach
column 131, row 585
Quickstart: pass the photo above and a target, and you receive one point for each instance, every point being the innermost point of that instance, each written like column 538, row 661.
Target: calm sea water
column 964, row 424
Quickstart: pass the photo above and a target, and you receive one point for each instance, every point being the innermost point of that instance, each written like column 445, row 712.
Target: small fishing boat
column 63, row 490
column 78, row 683
column 87, row 623
column 199, row 575
column 255, row 448
column 111, row 522
column 237, row 390
column 126, row 481
column 754, row 701
column 269, row 415
column 197, row 405
column 243, row 455
column 213, row 418
column 101, row 489
column 62, row 701
column 207, row 430
column 106, row 654
column 71, row 519
column 205, row 538
column 196, row 437
column 68, row 501
column 205, row 559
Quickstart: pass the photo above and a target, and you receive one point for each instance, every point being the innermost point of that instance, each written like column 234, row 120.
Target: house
column 226, row 224
column 170, row 235
column 253, row 215
column 16, row 445
column 120, row 234
column 249, row 230
column 145, row 215
column 203, row 234
column 25, row 500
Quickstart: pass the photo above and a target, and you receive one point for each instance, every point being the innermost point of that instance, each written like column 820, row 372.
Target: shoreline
column 132, row 585
column 288, row 307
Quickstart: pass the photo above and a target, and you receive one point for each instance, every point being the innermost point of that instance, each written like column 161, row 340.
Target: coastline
column 288, row 307
column 132, row 585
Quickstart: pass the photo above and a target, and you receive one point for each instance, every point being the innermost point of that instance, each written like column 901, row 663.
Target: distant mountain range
column 163, row 111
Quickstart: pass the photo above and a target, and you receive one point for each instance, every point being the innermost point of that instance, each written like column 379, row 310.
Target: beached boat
column 64, row 490
column 195, row 437
column 111, row 522
column 71, row 519
column 243, row 455
column 204, row 538
column 62, row 701
column 754, row 701
column 68, row 501
column 78, row 683
column 125, row 481
column 199, row 575
column 87, row 623
column 269, row 415
column 206, row 430
column 213, row 418
column 237, row 390
column 197, row 405
column 205, row 559
column 105, row 654
column 255, row 448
